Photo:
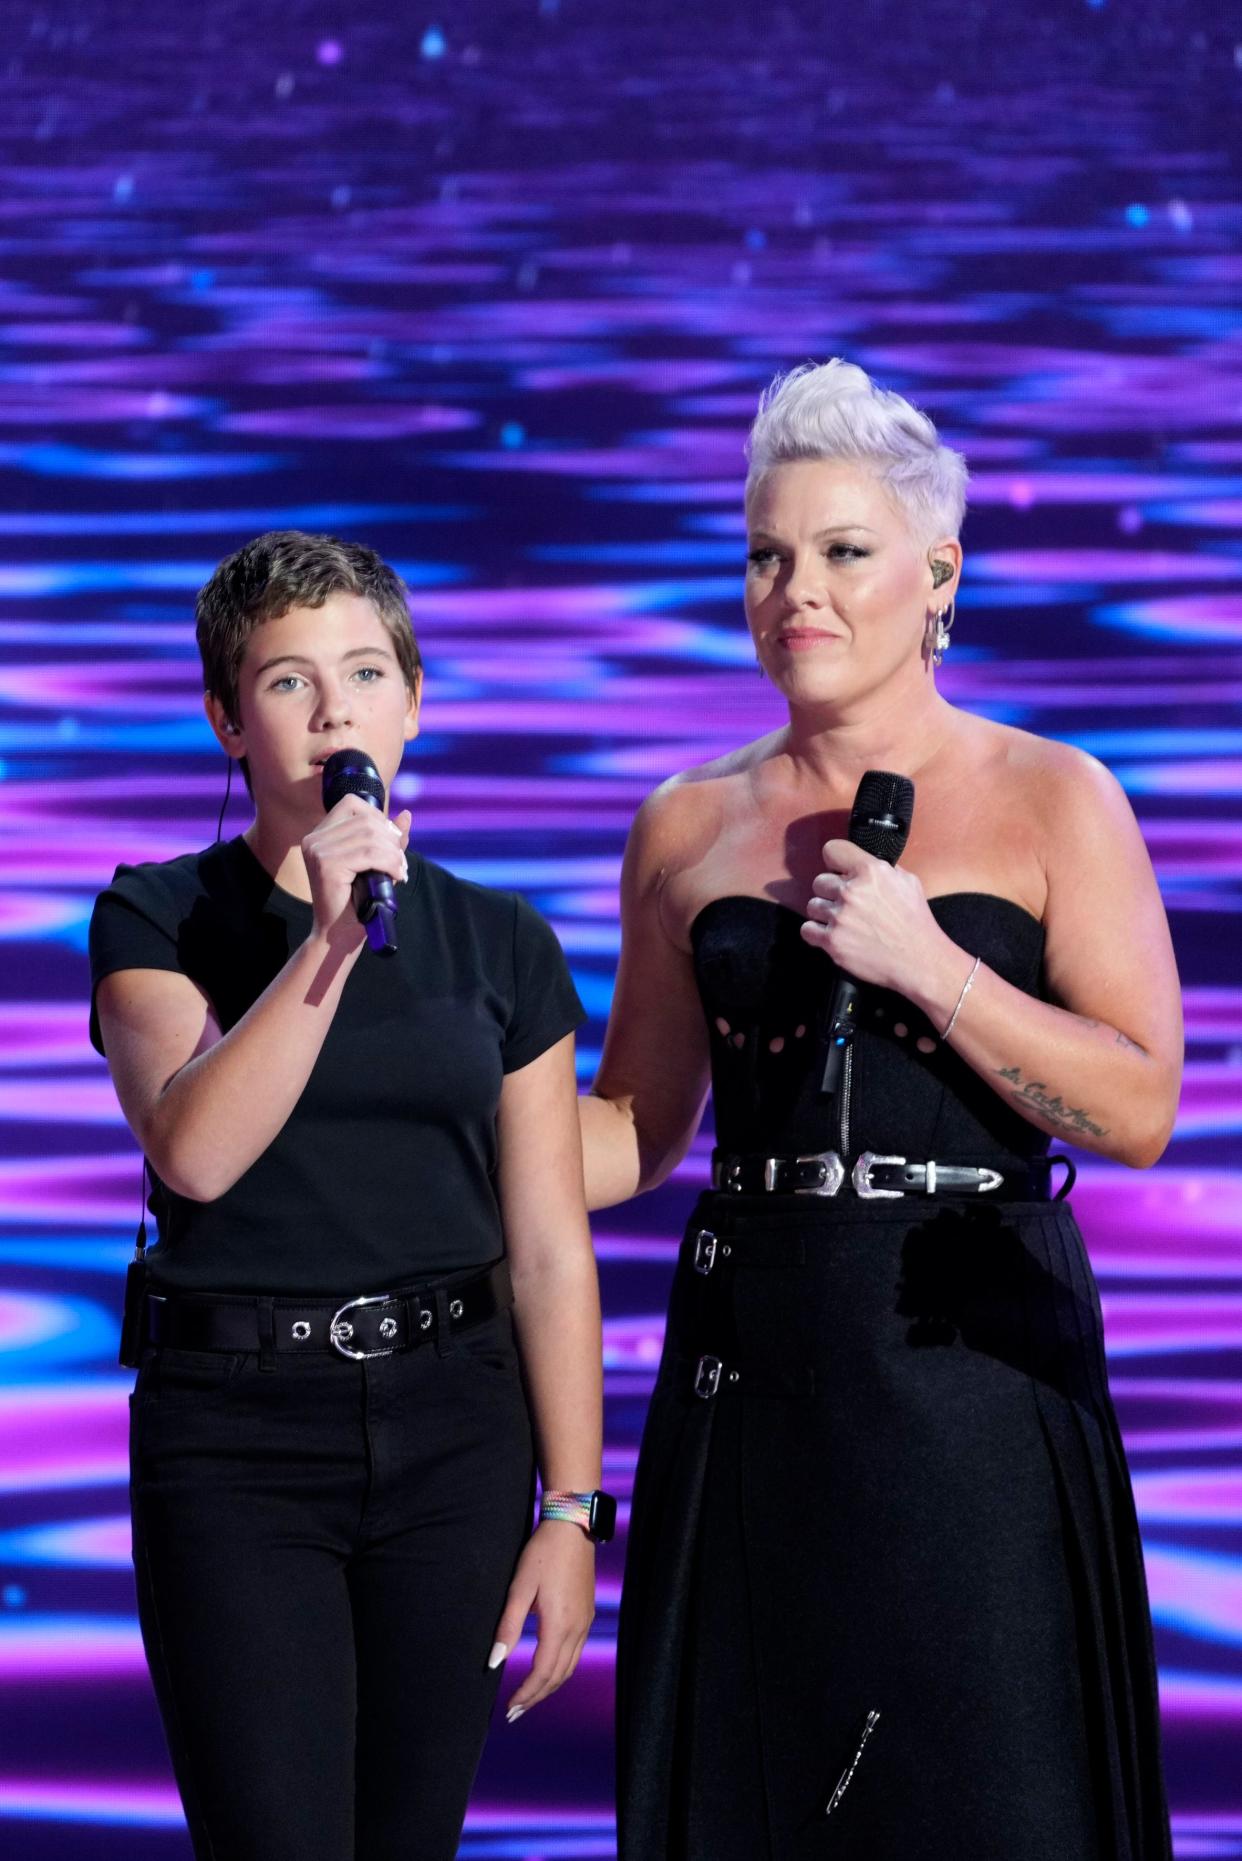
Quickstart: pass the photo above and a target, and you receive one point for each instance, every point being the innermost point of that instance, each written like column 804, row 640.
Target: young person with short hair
column 373, row 1305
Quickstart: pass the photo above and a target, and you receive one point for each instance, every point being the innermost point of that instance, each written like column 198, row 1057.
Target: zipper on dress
column 846, row 1078
column 843, row 1782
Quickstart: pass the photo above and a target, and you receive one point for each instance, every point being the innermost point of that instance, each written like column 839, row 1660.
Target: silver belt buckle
column 861, row 1178
column 707, row 1377
column 340, row 1331
column 704, row 1251
column 726, row 1179
column 834, row 1172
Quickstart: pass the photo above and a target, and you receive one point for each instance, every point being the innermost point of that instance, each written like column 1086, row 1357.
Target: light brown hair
column 279, row 571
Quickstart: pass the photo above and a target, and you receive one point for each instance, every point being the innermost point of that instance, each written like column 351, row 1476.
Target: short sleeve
column 133, row 926
column 545, row 1002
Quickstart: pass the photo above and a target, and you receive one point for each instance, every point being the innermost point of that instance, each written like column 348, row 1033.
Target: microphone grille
column 881, row 815
column 351, row 772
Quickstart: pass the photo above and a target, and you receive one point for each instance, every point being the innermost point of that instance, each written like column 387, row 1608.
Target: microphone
column 351, row 772
column 879, row 824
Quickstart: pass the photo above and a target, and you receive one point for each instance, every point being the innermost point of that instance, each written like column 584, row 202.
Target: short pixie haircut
column 833, row 410
column 282, row 570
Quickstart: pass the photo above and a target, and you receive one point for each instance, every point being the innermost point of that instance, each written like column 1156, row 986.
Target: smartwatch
column 596, row 1512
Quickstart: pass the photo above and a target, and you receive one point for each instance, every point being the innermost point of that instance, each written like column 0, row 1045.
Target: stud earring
column 942, row 572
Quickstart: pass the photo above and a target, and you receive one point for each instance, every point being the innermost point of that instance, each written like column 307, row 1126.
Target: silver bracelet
column 966, row 987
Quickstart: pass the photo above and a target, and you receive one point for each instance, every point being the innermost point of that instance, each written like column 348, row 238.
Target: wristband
column 595, row 1512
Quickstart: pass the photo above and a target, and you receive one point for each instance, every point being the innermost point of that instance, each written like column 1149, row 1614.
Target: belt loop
column 267, row 1334
column 444, row 1329
column 1071, row 1176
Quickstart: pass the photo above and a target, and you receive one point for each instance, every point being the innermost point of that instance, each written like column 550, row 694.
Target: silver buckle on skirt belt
column 832, row 1175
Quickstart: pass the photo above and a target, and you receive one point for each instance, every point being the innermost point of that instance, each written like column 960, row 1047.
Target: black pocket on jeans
column 490, row 1347
column 171, row 1376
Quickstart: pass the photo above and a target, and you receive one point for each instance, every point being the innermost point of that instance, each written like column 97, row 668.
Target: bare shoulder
column 683, row 817
column 1051, row 777
column 1086, row 838
column 1048, row 757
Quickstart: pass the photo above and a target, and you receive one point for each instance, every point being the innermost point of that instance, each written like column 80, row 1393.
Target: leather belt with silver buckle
column 821, row 1174
column 873, row 1177
column 373, row 1325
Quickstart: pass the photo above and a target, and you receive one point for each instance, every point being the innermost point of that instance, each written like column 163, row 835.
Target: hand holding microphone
column 868, row 918
column 355, row 857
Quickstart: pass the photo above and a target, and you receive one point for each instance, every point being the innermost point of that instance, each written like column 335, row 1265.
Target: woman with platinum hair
column 884, row 1592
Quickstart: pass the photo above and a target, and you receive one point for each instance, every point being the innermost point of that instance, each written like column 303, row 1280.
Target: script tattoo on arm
column 1033, row 1095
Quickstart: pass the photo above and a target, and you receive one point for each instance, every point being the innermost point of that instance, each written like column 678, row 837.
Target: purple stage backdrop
column 495, row 290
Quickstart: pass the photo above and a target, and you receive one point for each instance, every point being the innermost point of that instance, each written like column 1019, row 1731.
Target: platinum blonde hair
column 833, row 410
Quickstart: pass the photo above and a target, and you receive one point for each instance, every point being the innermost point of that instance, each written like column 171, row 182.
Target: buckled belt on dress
column 712, row 1376
column 873, row 1177
column 374, row 1325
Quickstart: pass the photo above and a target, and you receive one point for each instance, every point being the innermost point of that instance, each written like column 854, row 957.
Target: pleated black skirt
column 884, row 1593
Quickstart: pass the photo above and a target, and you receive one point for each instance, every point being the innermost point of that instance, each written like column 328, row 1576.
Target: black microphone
column 351, row 772
column 880, row 824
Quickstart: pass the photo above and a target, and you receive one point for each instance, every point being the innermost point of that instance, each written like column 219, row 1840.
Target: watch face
column 603, row 1522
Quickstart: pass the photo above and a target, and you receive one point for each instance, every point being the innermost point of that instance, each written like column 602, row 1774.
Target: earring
column 939, row 627
column 942, row 572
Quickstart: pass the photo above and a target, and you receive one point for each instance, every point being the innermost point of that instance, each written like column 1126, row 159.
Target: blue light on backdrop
column 495, row 289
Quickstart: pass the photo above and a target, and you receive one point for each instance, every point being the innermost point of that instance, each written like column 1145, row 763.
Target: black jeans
column 322, row 1553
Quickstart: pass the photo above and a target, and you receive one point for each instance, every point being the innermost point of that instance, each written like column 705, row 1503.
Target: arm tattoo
column 1120, row 1040
column 1033, row 1096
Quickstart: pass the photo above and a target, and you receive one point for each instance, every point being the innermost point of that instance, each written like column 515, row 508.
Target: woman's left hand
column 872, row 919
column 555, row 1578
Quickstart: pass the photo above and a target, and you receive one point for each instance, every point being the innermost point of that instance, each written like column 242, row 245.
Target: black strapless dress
column 894, row 1567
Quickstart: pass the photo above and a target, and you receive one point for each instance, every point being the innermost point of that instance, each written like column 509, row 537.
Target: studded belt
column 873, row 1177
column 372, row 1326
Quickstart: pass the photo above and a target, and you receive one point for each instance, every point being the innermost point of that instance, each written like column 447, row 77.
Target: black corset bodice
column 765, row 994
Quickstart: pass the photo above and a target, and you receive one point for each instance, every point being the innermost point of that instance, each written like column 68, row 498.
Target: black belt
column 373, row 1326
column 873, row 1177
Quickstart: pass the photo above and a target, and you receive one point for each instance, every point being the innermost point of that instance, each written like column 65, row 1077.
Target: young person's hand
column 354, row 837
column 555, row 1579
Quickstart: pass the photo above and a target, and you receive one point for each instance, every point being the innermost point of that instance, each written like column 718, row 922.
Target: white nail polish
column 514, row 1714
column 498, row 1653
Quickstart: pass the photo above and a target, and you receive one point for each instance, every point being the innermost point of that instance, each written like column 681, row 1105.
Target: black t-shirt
column 384, row 1171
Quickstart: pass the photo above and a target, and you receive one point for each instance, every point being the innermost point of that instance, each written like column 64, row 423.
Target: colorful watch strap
column 595, row 1512
column 573, row 1507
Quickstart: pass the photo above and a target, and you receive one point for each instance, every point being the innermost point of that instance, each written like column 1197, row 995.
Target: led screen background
column 495, row 290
